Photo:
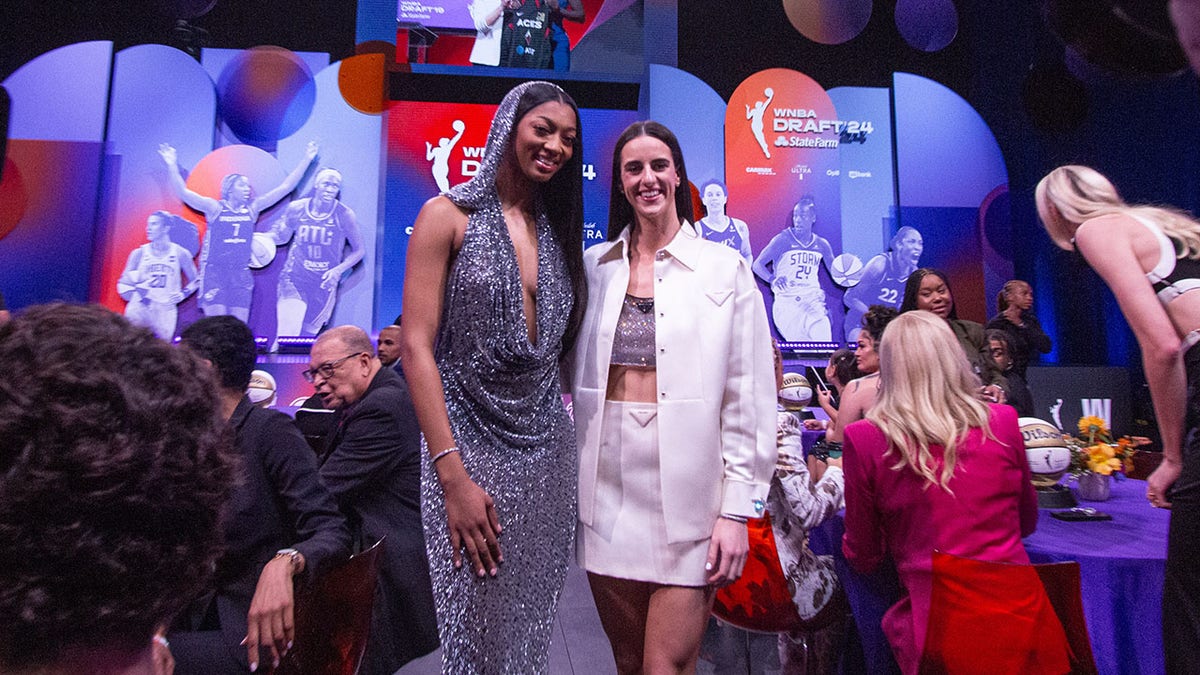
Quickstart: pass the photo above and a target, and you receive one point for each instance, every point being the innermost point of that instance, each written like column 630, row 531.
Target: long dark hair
column 562, row 198
column 620, row 211
column 913, row 286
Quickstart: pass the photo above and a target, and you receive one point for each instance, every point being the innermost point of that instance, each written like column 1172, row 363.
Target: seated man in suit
column 372, row 465
column 281, row 523
column 113, row 473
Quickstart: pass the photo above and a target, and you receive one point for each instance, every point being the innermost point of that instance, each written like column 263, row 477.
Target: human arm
column 309, row 511
column 1003, row 420
column 859, row 395
column 857, row 297
column 863, row 543
column 767, row 255
column 1108, row 246
column 810, row 496
column 471, row 513
column 207, row 205
column 270, row 197
column 748, row 423
column 1035, row 335
column 281, row 230
column 743, row 231
column 131, row 264
column 573, row 10
column 190, row 275
column 484, row 21
column 354, row 238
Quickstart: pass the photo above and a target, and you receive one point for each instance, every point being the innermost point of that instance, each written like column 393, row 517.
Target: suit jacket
column 891, row 512
column 372, row 465
column 278, row 503
column 716, row 404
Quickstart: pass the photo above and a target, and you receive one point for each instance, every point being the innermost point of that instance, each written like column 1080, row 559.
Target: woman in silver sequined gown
column 492, row 298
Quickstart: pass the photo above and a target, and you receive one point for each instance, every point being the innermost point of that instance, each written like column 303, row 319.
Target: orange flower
column 1091, row 425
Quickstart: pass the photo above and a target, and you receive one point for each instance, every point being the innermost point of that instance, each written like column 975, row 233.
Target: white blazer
column 715, row 373
column 486, row 50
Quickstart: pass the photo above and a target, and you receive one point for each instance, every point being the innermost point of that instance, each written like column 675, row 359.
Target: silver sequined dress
column 515, row 438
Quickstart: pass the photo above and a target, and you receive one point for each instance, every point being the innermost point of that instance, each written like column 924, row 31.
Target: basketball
column 127, row 284
column 458, row 125
column 261, row 390
column 1046, row 451
column 796, row 392
column 846, row 270
column 262, row 250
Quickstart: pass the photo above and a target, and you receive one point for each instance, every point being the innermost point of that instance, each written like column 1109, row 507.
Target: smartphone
column 815, row 375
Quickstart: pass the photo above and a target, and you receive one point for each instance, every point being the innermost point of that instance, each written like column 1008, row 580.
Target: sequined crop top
column 633, row 343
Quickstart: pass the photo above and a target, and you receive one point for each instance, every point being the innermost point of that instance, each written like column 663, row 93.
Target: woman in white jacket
column 675, row 412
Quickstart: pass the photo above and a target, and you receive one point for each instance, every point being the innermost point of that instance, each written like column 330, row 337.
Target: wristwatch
column 295, row 557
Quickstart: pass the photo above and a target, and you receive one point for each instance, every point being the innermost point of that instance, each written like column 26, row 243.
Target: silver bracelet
column 435, row 458
column 735, row 518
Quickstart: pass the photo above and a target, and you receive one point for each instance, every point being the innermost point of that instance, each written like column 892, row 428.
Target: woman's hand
column 1160, row 481
column 473, row 523
column 727, row 552
column 992, row 393
column 167, row 153
column 824, row 397
column 1013, row 314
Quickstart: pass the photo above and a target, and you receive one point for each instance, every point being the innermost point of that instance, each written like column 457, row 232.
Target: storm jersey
column 729, row 236
column 318, row 242
column 229, row 237
column 796, row 269
column 159, row 274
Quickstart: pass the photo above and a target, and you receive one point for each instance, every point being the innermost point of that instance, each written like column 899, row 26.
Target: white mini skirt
column 628, row 535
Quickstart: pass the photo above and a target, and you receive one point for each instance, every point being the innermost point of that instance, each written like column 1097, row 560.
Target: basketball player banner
column 781, row 164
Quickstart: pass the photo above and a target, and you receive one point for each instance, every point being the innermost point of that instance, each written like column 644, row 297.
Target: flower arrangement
column 1095, row 451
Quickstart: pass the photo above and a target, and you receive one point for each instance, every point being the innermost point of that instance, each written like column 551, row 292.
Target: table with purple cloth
column 1122, row 564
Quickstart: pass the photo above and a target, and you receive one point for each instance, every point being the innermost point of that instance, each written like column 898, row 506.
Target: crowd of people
column 152, row 518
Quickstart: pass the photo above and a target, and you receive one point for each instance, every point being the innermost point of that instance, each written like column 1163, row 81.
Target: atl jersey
column 319, row 240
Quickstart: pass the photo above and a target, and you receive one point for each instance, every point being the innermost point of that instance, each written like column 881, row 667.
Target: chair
column 1062, row 584
column 995, row 617
column 1144, row 464
column 333, row 618
column 760, row 600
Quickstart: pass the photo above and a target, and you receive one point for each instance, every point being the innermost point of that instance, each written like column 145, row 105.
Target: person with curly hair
column 113, row 471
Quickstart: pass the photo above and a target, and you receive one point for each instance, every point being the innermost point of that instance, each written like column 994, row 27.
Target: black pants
column 1181, row 589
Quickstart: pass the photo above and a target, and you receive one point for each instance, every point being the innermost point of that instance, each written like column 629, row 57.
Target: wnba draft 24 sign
column 781, row 165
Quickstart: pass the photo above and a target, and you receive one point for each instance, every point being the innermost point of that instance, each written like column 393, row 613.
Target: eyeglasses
column 326, row 370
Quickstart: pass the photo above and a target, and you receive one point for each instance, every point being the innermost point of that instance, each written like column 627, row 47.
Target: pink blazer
column 892, row 513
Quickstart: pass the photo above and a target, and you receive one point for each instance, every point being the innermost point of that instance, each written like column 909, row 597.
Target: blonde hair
column 928, row 395
column 1070, row 195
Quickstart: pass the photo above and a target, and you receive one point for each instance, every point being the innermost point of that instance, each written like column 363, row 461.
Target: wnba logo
column 1097, row 407
column 440, row 155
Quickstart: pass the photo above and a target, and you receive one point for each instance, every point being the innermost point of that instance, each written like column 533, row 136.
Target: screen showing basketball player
column 790, row 263
column 883, row 278
column 150, row 282
column 320, row 226
column 226, row 285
